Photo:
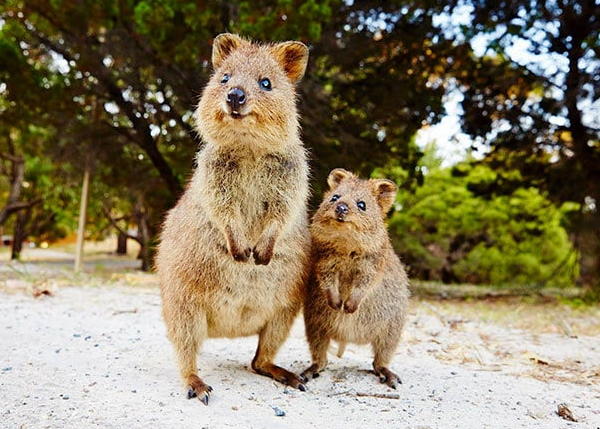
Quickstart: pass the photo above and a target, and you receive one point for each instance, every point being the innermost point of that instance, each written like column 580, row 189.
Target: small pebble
column 279, row 412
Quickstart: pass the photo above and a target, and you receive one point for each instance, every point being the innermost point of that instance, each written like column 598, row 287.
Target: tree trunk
column 122, row 243
column 17, row 176
column 19, row 234
column 144, row 236
column 82, row 216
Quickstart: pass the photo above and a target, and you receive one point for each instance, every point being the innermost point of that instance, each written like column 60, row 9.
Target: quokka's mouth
column 342, row 221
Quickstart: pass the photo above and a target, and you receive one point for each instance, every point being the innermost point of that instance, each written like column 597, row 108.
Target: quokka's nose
column 236, row 98
column 341, row 210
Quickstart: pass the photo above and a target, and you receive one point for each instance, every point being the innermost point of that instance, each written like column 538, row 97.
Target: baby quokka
column 358, row 291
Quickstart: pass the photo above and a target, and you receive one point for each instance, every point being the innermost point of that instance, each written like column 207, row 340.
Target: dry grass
column 553, row 317
column 546, row 340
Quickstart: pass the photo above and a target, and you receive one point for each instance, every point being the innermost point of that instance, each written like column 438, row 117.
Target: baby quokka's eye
column 361, row 205
column 225, row 78
column 265, row 84
column 334, row 198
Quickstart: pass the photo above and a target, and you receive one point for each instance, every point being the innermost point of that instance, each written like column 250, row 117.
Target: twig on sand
column 367, row 394
column 380, row 395
column 117, row 312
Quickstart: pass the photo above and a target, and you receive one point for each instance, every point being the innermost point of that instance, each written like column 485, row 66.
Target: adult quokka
column 233, row 255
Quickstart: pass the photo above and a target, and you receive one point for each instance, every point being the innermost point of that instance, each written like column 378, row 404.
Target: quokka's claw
column 203, row 395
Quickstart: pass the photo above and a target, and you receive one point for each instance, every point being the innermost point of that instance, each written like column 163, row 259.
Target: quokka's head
column 251, row 96
column 354, row 209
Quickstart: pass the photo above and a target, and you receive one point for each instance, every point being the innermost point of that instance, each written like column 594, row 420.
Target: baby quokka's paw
column 333, row 299
column 351, row 305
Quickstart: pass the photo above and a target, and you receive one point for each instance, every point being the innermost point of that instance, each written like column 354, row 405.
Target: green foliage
column 282, row 19
column 445, row 231
column 114, row 83
column 538, row 111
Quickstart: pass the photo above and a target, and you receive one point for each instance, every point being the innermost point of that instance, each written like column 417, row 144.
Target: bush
column 445, row 231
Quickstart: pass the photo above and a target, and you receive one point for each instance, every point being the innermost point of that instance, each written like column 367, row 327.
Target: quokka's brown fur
column 233, row 256
column 358, row 291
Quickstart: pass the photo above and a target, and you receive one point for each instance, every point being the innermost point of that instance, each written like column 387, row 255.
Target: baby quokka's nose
column 236, row 98
column 341, row 210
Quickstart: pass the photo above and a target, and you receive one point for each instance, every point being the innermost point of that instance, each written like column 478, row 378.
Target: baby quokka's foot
column 198, row 389
column 388, row 377
column 310, row 373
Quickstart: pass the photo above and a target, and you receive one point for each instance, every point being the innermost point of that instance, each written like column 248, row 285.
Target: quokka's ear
column 385, row 193
column 293, row 57
column 223, row 45
column 336, row 176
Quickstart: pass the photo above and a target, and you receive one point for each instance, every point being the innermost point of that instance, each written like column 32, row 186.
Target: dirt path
column 97, row 356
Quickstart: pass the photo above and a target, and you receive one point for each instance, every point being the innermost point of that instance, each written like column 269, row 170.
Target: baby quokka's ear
column 385, row 193
column 223, row 45
column 293, row 58
column 336, row 176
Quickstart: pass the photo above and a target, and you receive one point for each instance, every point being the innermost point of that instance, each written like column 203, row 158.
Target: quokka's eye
column 334, row 198
column 225, row 78
column 361, row 205
column 265, row 84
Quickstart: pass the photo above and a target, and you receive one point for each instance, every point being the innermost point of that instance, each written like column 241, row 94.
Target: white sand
column 90, row 357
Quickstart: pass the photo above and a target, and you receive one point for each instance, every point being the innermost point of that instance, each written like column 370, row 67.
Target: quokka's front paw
column 333, row 299
column 352, row 303
column 351, row 306
column 240, row 250
column 263, row 251
column 241, row 255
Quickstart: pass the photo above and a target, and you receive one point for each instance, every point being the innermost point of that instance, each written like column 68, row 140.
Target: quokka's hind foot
column 310, row 372
column 198, row 389
column 280, row 374
column 388, row 377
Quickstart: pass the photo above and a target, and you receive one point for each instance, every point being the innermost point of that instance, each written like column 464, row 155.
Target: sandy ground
column 94, row 355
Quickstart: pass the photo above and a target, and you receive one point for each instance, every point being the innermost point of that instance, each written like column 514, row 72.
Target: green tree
column 131, row 71
column 36, row 190
column 450, row 229
column 538, row 110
